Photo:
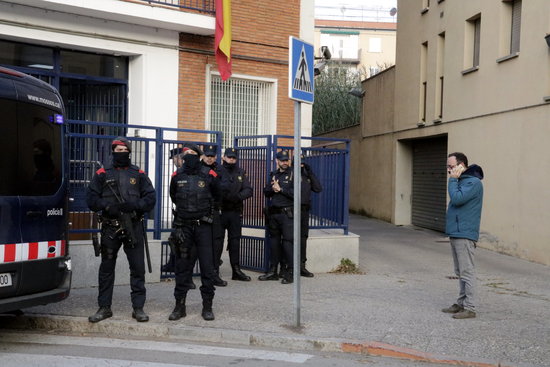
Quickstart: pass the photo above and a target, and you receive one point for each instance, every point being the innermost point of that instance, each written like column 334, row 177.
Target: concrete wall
column 497, row 114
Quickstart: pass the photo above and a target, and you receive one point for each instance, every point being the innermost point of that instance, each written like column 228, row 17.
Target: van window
column 31, row 142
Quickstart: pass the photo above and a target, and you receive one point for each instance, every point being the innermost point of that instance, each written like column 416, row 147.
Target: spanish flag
column 223, row 37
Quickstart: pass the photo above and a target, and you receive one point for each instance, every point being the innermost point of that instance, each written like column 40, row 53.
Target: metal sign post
column 300, row 89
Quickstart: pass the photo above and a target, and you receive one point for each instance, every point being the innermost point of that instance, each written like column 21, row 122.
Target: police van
column 35, row 267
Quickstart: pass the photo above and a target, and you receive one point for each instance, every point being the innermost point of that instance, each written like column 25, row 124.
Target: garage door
column 429, row 183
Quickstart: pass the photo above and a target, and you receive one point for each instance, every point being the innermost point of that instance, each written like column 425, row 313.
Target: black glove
column 128, row 206
column 113, row 210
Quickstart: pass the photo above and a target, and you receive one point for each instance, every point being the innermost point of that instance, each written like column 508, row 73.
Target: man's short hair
column 460, row 157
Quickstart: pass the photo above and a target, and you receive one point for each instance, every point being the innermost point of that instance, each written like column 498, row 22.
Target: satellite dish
column 393, row 11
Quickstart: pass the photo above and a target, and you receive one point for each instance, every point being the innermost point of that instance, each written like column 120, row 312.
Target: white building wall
column 153, row 67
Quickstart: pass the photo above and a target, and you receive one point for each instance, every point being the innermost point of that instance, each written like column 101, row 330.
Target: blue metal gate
column 329, row 159
column 90, row 148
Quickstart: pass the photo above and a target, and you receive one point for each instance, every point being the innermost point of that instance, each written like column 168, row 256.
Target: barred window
column 241, row 107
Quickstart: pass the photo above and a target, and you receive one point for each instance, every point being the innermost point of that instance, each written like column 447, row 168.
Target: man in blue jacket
column 462, row 227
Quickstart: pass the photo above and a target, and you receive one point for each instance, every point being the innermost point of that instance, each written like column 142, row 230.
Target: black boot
column 288, row 277
column 239, row 275
column 207, row 313
column 140, row 315
column 304, row 272
column 218, row 282
column 103, row 313
column 179, row 310
column 270, row 275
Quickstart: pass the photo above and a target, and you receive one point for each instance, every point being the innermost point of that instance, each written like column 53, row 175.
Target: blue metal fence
column 90, row 148
column 329, row 159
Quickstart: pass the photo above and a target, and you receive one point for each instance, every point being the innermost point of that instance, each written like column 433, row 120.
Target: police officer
column 209, row 160
column 236, row 189
column 193, row 188
column 280, row 189
column 121, row 190
column 310, row 183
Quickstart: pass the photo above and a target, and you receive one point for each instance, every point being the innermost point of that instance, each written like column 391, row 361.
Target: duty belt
column 279, row 210
column 192, row 222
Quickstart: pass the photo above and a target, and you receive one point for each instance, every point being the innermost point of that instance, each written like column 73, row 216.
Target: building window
column 241, row 107
column 514, row 10
column 373, row 70
column 342, row 44
column 375, row 44
column 440, row 73
column 477, row 38
column 472, row 44
column 424, row 81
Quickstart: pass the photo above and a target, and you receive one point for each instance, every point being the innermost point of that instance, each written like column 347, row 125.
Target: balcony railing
column 204, row 6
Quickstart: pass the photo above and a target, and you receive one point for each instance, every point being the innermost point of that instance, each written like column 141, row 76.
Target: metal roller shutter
column 429, row 183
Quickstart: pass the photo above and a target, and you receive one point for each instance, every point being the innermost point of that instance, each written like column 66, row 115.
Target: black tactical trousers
column 217, row 239
column 135, row 256
column 304, row 234
column 281, row 237
column 232, row 222
column 199, row 236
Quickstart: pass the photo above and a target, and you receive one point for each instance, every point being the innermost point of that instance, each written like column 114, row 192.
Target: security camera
column 325, row 53
column 356, row 92
column 318, row 68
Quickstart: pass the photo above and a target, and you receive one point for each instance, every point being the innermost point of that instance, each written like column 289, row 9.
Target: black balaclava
column 121, row 159
column 191, row 163
column 229, row 166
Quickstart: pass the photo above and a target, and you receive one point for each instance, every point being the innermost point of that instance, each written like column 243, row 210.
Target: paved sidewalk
column 392, row 309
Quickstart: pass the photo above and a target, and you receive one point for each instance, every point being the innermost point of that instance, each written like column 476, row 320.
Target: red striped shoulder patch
column 141, row 171
column 213, row 173
column 100, row 171
column 175, row 172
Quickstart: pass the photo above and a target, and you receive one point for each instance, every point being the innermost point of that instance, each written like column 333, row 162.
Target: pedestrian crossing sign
column 300, row 71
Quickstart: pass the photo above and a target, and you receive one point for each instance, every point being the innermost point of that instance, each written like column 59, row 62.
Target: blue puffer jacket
column 464, row 210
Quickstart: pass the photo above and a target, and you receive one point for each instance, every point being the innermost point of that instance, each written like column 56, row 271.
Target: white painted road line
column 41, row 360
column 155, row 346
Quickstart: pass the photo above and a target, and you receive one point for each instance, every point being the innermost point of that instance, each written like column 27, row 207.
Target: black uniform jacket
column 285, row 197
column 310, row 183
column 235, row 187
column 129, row 183
column 194, row 192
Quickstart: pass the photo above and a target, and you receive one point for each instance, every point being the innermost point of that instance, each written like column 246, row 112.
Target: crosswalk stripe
column 41, row 360
column 155, row 346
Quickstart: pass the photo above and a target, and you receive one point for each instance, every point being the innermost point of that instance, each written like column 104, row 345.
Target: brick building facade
column 260, row 32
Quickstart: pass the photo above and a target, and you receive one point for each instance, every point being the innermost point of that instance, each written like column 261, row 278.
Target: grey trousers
column 463, row 257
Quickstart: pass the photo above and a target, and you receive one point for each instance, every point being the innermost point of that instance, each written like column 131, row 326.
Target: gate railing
column 89, row 145
column 329, row 159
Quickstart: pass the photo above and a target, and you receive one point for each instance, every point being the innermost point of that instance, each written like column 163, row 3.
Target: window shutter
column 516, row 27
column 477, row 38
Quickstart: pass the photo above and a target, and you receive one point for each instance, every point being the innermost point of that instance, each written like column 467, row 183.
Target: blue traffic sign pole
column 300, row 89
